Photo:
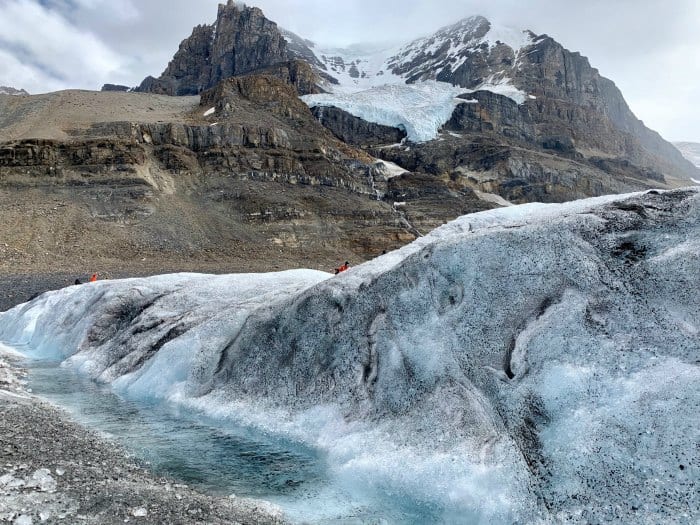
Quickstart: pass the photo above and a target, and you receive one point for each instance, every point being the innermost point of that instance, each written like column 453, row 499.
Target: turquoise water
column 215, row 458
column 220, row 458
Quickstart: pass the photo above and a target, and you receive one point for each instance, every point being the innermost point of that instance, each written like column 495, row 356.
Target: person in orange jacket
column 344, row 267
column 93, row 278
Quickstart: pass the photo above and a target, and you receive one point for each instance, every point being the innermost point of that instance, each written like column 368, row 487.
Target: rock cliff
column 241, row 40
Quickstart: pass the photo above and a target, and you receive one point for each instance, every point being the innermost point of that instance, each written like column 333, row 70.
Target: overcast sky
column 650, row 48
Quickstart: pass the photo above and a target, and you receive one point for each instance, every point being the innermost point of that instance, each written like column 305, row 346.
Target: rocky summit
column 256, row 144
column 240, row 41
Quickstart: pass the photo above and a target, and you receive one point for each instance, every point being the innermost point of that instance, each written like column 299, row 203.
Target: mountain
column 532, row 364
column 522, row 89
column 5, row 90
column 538, row 93
column 258, row 145
column 690, row 150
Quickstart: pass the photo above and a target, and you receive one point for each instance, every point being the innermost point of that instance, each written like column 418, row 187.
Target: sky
column 649, row 48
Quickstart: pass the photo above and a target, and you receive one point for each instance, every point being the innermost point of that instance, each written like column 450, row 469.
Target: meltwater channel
column 220, row 457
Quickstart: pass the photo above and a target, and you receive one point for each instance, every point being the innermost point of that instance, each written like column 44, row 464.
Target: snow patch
column 210, row 111
column 516, row 39
column 389, row 169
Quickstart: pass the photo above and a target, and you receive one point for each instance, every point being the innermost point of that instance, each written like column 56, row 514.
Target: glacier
column 367, row 86
column 532, row 364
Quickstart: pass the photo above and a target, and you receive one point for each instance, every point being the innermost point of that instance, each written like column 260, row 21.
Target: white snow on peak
column 516, row 39
column 372, row 80
column 466, row 36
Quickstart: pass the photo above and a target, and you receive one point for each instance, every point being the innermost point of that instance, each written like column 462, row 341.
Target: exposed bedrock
column 354, row 130
column 518, row 172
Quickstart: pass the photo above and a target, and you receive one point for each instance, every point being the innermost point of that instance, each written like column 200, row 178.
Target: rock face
column 518, row 172
column 574, row 100
column 240, row 175
column 241, row 40
column 541, row 356
column 355, row 130
column 296, row 73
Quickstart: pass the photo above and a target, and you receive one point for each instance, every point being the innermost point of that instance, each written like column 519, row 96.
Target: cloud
column 15, row 73
column 58, row 55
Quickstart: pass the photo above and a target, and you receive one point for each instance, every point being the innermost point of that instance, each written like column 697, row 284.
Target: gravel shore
column 55, row 471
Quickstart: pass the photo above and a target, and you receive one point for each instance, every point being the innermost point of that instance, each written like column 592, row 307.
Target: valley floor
column 54, row 471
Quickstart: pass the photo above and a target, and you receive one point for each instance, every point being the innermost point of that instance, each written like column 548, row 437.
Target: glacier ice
column 535, row 363
column 421, row 108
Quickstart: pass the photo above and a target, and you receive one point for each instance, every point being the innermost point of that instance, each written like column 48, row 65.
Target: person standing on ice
column 93, row 278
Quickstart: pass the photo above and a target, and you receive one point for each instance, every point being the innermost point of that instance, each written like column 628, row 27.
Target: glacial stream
column 218, row 457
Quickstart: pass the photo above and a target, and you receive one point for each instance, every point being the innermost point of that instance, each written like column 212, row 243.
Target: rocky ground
column 54, row 471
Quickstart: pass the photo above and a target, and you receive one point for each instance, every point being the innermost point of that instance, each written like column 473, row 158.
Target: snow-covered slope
column 532, row 364
column 456, row 46
column 398, row 86
column 691, row 151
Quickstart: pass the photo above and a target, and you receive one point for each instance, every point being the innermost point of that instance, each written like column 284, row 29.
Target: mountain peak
column 240, row 41
column 470, row 25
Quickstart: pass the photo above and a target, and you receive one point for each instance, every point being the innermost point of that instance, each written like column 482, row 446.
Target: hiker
column 344, row 267
column 93, row 278
column 78, row 281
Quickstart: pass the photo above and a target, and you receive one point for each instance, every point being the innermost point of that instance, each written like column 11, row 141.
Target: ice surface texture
column 535, row 363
